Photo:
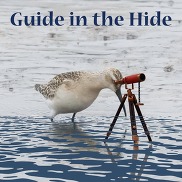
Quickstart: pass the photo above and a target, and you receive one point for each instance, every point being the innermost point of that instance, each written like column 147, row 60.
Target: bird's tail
column 37, row 87
column 42, row 89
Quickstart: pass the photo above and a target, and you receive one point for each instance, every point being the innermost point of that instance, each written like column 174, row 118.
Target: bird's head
column 112, row 75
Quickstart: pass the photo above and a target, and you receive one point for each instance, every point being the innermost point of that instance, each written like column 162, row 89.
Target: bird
column 72, row 92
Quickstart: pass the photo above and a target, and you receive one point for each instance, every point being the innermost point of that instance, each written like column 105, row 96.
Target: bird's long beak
column 118, row 93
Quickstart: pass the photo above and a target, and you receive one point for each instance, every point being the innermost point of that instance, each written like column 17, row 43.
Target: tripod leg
column 142, row 119
column 133, row 120
column 116, row 116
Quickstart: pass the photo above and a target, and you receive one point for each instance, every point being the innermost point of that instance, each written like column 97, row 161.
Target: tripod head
column 136, row 78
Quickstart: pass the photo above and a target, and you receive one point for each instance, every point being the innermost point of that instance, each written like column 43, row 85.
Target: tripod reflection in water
column 133, row 173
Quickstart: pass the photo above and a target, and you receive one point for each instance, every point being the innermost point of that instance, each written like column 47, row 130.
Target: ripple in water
column 34, row 149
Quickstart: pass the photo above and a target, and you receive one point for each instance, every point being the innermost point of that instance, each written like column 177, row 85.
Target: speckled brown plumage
column 48, row 90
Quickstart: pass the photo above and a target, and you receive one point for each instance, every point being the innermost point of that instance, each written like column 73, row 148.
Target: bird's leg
column 52, row 116
column 73, row 117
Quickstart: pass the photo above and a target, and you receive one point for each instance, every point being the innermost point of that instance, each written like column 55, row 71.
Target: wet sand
column 32, row 55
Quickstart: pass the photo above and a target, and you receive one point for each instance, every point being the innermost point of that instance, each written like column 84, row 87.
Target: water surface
column 35, row 149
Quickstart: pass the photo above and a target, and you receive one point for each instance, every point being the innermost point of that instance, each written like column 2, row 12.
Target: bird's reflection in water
column 64, row 128
column 72, row 133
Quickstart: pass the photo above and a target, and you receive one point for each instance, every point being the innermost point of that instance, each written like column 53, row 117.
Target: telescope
column 136, row 78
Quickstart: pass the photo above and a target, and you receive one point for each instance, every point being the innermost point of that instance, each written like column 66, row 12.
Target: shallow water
column 34, row 149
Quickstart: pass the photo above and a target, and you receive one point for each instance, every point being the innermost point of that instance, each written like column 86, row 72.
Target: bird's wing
column 51, row 88
column 66, row 81
column 69, row 84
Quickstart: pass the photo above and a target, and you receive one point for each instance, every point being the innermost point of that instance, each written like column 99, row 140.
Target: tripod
column 132, row 104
